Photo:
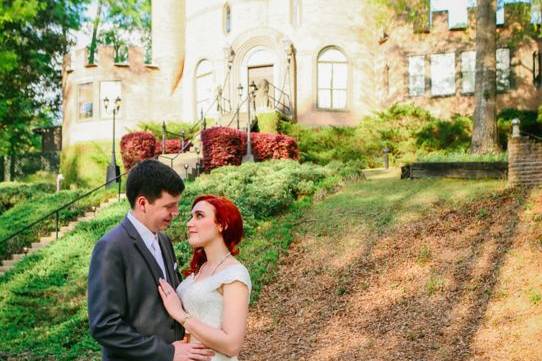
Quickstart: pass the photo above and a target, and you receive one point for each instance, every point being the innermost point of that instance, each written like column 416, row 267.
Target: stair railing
column 56, row 212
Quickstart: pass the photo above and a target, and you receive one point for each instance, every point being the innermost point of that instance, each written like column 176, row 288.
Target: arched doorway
column 260, row 67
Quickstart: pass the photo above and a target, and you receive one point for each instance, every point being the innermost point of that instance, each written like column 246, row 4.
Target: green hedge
column 43, row 303
column 268, row 122
column 12, row 193
column 37, row 207
column 410, row 132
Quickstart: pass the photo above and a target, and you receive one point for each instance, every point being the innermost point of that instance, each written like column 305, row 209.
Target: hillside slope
column 400, row 270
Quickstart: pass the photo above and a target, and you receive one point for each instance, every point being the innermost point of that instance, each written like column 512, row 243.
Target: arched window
column 204, row 86
column 226, row 19
column 295, row 12
column 332, row 79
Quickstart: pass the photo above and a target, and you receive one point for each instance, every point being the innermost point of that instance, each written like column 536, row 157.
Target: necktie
column 157, row 253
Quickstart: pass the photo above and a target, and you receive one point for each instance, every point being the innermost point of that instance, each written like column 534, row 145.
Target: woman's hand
column 171, row 301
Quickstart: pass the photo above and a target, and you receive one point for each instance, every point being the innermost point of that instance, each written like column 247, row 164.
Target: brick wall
column 524, row 161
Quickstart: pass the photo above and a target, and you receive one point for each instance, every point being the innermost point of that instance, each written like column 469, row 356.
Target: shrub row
column 25, row 213
column 226, row 146
column 408, row 131
column 12, row 193
column 137, row 146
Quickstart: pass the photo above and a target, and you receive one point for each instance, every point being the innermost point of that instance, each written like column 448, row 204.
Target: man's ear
column 140, row 203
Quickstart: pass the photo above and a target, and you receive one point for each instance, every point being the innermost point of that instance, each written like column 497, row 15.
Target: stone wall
column 524, row 161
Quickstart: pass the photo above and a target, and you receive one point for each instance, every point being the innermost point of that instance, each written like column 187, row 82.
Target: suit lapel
column 143, row 250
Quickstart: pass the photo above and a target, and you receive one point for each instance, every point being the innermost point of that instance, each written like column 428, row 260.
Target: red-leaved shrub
column 226, row 146
column 267, row 146
column 136, row 147
column 172, row 146
column 221, row 146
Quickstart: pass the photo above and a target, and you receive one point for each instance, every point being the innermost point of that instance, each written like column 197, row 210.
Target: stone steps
column 44, row 241
column 184, row 163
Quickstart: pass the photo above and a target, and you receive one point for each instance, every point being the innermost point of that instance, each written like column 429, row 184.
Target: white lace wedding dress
column 202, row 300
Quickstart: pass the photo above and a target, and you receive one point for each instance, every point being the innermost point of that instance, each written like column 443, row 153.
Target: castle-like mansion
column 320, row 62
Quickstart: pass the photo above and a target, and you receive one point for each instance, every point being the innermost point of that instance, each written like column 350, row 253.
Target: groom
column 125, row 311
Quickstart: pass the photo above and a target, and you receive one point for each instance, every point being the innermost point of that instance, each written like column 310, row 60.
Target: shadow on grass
column 382, row 303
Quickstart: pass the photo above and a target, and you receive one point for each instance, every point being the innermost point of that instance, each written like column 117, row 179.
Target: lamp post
column 240, row 91
column 386, row 157
column 251, row 94
column 185, row 170
column 113, row 170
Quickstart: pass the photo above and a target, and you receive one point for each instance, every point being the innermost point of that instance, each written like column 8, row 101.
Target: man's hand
column 191, row 352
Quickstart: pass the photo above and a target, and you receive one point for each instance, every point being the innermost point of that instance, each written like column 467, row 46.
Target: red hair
column 228, row 216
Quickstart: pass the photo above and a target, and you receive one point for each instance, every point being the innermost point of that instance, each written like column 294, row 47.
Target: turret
column 168, row 29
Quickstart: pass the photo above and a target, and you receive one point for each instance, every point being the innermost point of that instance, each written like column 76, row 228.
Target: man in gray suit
column 126, row 314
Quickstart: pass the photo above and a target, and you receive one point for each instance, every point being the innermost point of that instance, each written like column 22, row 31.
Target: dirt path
column 419, row 292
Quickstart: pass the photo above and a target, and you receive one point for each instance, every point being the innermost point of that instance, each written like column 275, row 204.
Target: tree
column 117, row 18
column 484, row 130
column 34, row 36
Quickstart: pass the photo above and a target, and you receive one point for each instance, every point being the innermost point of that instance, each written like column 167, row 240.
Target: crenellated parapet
column 78, row 59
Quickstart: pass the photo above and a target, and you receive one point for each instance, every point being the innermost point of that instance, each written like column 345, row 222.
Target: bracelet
column 187, row 317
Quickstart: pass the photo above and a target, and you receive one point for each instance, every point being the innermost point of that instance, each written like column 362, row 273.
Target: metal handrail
column 56, row 212
column 223, row 109
column 530, row 135
column 281, row 95
column 236, row 114
column 285, row 108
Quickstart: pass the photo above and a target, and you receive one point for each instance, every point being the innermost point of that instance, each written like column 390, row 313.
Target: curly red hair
column 228, row 216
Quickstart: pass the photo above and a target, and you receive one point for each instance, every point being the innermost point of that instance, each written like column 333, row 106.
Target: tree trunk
column 484, row 133
column 94, row 40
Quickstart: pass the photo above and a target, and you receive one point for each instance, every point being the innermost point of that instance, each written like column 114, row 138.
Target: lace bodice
column 202, row 300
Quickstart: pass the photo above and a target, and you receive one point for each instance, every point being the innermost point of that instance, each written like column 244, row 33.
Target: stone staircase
column 231, row 120
column 183, row 163
column 6, row 265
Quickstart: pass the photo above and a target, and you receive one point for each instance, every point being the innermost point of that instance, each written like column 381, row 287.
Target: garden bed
column 464, row 170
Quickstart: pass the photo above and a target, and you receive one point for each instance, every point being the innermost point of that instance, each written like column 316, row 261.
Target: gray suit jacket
column 126, row 314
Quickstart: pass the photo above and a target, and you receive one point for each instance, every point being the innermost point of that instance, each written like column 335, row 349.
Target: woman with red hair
column 212, row 302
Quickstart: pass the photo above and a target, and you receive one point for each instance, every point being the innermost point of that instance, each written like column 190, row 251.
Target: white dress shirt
column 151, row 241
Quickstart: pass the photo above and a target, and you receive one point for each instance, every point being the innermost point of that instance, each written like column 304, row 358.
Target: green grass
column 381, row 205
column 12, row 193
column 33, row 209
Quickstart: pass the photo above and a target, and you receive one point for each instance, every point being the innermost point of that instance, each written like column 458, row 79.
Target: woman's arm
column 229, row 337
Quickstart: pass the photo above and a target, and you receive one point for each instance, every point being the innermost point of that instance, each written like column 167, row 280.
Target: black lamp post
column 249, row 157
column 185, row 170
column 113, row 170
column 386, row 157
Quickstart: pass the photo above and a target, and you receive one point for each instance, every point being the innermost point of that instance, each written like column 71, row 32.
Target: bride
column 212, row 301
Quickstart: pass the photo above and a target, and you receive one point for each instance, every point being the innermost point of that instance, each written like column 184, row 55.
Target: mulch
column 418, row 292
